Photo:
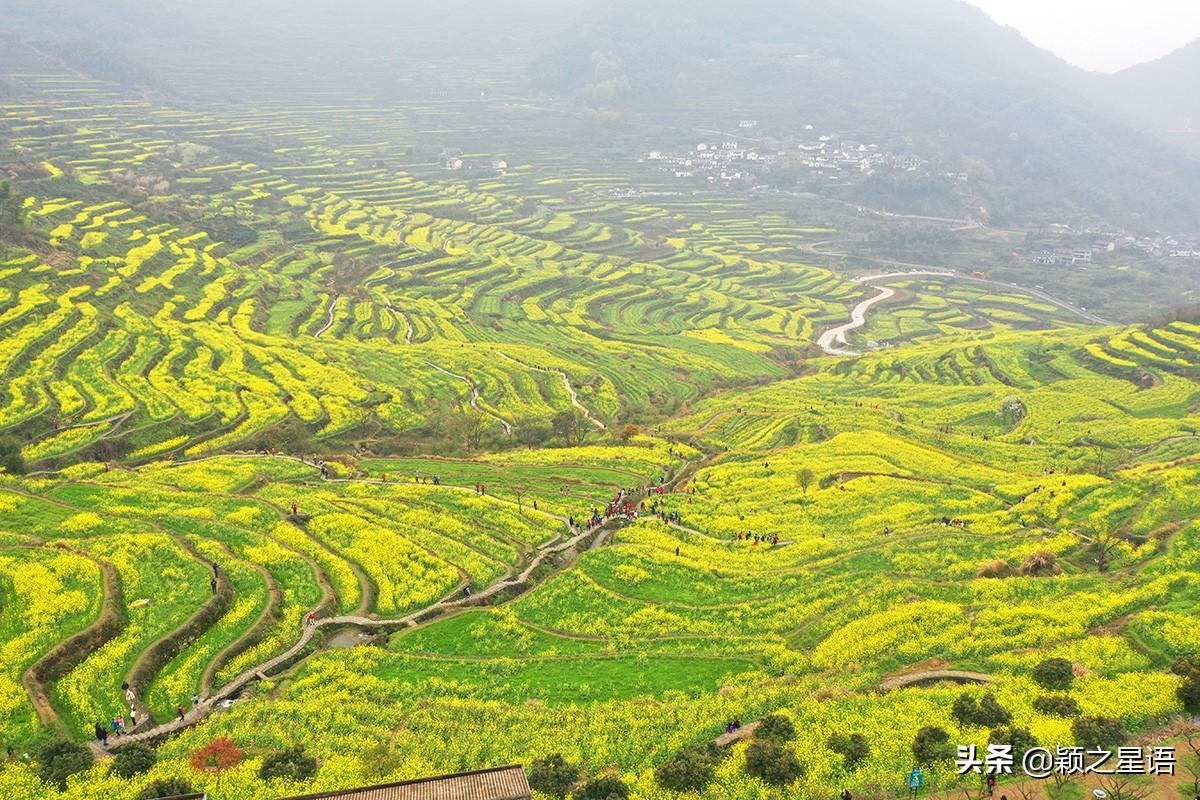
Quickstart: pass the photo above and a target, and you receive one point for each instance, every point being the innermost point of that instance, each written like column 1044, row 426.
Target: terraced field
column 261, row 363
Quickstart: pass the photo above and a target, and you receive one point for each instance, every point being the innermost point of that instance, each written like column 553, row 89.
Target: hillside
column 406, row 432
column 1162, row 96
column 937, row 75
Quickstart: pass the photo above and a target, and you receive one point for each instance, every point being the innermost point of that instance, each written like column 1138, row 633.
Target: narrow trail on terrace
column 329, row 322
column 474, row 401
column 566, row 384
column 515, row 583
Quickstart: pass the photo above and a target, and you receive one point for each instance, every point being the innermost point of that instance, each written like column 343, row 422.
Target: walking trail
column 520, row 582
column 474, row 401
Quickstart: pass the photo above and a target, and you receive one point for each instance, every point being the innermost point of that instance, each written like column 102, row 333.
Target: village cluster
column 745, row 157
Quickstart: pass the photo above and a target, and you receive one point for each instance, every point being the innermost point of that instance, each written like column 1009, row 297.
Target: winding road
column 833, row 341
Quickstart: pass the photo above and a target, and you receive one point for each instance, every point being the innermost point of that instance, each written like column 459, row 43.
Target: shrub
column 1020, row 739
column 11, row 460
column 772, row 762
column 1040, row 564
column 776, row 728
column 292, row 763
column 1185, row 666
column 1056, row 674
column 133, row 759
column 932, row 744
column 853, row 748
column 964, row 709
column 553, row 775
column 689, row 770
column 1099, row 732
column 994, row 569
column 606, row 787
column 987, row 712
column 1057, row 705
column 380, row 761
column 59, row 759
column 991, row 713
column 1189, row 692
column 216, row 756
column 167, row 787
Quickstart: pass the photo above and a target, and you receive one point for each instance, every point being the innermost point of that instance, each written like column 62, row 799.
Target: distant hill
column 1163, row 96
column 1040, row 139
column 937, row 73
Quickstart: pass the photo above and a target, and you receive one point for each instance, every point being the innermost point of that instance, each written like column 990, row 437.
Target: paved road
column 833, row 341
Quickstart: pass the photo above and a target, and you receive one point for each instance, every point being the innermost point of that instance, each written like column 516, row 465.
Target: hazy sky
column 1104, row 35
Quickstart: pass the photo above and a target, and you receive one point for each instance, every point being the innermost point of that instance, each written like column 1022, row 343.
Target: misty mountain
column 1163, row 96
column 1039, row 138
column 938, row 75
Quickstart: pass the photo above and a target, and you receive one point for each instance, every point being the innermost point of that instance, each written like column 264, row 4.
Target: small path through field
column 329, row 322
column 519, row 582
column 910, row 678
column 474, row 401
column 208, row 704
column 566, row 383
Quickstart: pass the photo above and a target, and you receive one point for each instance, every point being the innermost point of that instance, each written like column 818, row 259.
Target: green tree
column 804, row 478
column 853, row 748
column 1057, row 705
column 133, row 759
column 570, row 426
column 1056, row 674
column 59, row 759
column 773, row 762
column 1020, row 739
column 606, row 787
column 553, row 775
column 991, row 713
column 1104, row 733
column 11, row 460
column 533, row 432
column 166, row 787
column 689, row 770
column 1189, row 692
column 292, row 764
column 932, row 744
column 776, row 728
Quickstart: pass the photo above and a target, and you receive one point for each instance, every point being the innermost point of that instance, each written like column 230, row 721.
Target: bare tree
column 1104, row 547
column 1026, row 790
column 804, row 477
column 1123, row 787
column 1193, row 762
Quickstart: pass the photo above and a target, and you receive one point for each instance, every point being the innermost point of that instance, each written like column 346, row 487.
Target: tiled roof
column 499, row 783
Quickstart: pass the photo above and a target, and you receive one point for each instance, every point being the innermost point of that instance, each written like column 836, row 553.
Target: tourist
column 179, row 711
